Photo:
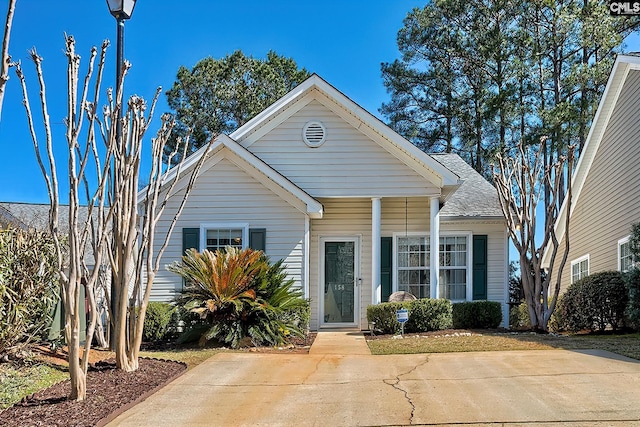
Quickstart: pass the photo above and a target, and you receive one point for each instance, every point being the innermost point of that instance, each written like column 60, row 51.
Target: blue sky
column 342, row 41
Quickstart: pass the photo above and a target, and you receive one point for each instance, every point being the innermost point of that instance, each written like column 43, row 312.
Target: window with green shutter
column 190, row 239
column 479, row 267
column 386, row 267
column 258, row 239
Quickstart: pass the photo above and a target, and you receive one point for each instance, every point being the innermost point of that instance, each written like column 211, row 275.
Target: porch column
column 376, row 291
column 434, row 225
column 307, row 258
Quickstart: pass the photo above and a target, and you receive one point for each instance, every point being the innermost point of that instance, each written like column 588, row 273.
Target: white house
column 355, row 210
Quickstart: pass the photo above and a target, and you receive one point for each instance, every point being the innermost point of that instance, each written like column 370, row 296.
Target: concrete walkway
column 354, row 388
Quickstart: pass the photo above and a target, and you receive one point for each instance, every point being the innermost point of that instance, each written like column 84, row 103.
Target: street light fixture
column 121, row 10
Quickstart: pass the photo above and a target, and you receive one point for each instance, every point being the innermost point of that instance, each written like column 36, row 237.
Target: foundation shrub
column 157, row 321
column 595, row 302
column 429, row 315
column 477, row 314
column 424, row 315
column 632, row 279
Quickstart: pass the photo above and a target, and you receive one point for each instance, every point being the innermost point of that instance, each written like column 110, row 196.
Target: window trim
column 395, row 264
column 469, row 237
column 620, row 243
column 244, row 226
column 578, row 261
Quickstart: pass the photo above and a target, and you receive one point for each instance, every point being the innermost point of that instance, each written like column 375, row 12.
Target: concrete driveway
column 326, row 388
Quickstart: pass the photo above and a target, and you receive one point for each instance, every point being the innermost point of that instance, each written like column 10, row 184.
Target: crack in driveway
column 395, row 383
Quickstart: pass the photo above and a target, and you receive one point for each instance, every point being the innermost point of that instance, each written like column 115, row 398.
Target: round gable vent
column 314, row 133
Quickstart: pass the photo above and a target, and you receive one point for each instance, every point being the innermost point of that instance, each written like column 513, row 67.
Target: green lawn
column 18, row 382
column 624, row 344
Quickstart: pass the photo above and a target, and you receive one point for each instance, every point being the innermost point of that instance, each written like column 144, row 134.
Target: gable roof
column 317, row 88
column 475, row 198
column 225, row 147
column 621, row 68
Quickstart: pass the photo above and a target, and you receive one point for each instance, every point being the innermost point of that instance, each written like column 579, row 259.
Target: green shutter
column 480, row 267
column 386, row 266
column 56, row 329
column 258, row 239
column 190, row 239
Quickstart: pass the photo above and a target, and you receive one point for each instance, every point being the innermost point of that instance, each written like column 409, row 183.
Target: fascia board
column 313, row 208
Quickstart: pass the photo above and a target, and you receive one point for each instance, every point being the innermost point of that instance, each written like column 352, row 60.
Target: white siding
column 352, row 217
column 348, row 164
column 225, row 193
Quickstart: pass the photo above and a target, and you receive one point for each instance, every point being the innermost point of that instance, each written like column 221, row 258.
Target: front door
column 340, row 297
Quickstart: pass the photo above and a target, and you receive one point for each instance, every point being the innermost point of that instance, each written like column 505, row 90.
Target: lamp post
column 121, row 10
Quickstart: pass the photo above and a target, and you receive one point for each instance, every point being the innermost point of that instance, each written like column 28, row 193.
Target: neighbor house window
column 453, row 267
column 219, row 236
column 625, row 260
column 579, row 268
column 413, row 257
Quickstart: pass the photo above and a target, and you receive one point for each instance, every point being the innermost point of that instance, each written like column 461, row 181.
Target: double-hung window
column 219, row 236
column 625, row 259
column 413, row 265
column 453, row 267
column 413, row 255
column 579, row 268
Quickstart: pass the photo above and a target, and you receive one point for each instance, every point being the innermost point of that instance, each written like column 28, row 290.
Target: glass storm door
column 340, row 299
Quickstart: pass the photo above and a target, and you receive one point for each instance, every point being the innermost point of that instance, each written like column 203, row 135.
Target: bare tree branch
column 5, row 58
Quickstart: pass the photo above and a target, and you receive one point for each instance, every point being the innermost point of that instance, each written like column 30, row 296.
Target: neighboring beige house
column 354, row 210
column 606, row 182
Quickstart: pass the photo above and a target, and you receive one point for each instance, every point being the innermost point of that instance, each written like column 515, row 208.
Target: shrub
column 477, row 314
column 595, row 302
column 384, row 316
column 556, row 321
column 632, row 278
column 28, row 286
column 157, row 321
column 570, row 309
column 429, row 315
column 240, row 295
column 424, row 315
column 519, row 316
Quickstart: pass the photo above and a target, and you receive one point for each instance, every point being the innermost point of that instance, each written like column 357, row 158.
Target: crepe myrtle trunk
column 92, row 144
column 519, row 176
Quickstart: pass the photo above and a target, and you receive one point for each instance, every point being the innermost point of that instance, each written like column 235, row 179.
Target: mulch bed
column 109, row 392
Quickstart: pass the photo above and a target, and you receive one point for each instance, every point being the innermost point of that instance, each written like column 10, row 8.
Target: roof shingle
column 475, row 197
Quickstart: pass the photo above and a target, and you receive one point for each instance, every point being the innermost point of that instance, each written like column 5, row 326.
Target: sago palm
column 219, row 287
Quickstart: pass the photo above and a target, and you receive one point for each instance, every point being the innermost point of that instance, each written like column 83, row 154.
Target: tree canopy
column 220, row 95
column 477, row 76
